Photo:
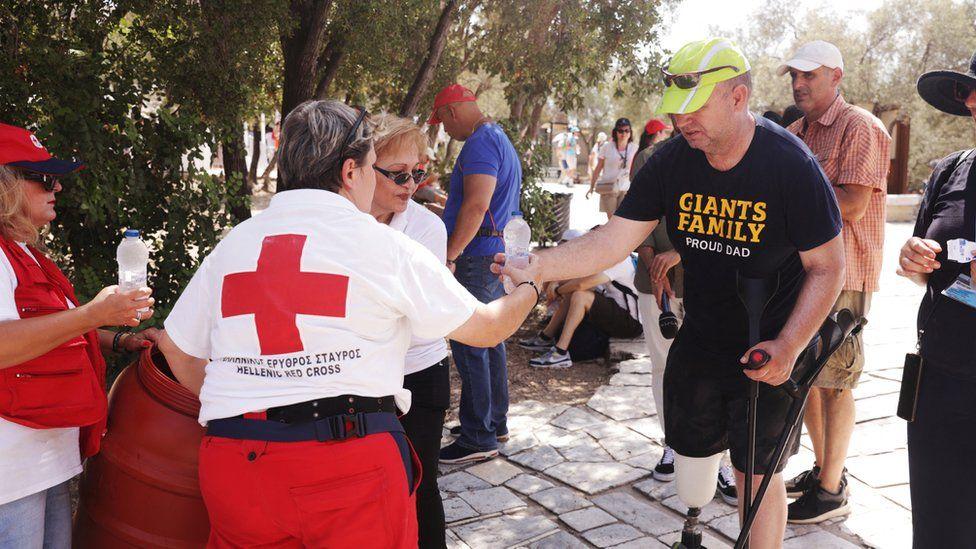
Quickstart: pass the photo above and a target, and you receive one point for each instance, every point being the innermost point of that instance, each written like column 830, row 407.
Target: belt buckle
column 356, row 422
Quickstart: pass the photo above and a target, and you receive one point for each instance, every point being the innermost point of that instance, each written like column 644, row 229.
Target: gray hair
column 744, row 79
column 311, row 138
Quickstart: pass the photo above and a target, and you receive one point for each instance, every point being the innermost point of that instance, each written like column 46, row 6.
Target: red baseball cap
column 654, row 125
column 22, row 149
column 455, row 93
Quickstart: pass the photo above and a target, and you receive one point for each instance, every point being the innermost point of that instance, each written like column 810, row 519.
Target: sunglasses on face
column 623, row 130
column 688, row 80
column 961, row 92
column 402, row 178
column 49, row 182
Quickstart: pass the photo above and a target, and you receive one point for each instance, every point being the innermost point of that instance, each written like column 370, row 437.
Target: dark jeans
column 431, row 395
column 941, row 446
column 484, row 372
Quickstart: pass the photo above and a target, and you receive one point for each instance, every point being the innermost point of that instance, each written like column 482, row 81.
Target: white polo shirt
column 423, row 226
column 311, row 299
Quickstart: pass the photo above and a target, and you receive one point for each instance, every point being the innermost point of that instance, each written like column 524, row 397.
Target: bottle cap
column 516, row 213
column 131, row 233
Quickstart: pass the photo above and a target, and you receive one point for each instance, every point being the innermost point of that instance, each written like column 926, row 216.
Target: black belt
column 312, row 410
column 485, row 231
column 339, row 427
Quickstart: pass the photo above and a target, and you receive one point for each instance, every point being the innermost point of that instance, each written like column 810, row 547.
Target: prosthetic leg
column 696, row 487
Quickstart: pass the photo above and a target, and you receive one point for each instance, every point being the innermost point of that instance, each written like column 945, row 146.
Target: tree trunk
column 426, row 72
column 301, row 47
column 533, row 126
column 257, row 136
column 235, row 173
column 332, row 58
column 266, row 176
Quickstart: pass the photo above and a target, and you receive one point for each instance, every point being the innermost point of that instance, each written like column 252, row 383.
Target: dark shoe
column 664, row 470
column 456, row 432
column 726, row 485
column 539, row 343
column 454, row 453
column 818, row 505
column 805, row 481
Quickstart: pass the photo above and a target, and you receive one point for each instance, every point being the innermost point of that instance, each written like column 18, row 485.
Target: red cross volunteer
column 294, row 330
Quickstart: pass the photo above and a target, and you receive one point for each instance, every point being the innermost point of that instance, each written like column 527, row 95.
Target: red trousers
column 351, row 493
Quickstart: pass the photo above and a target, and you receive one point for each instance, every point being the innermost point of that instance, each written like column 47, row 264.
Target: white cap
column 570, row 234
column 812, row 56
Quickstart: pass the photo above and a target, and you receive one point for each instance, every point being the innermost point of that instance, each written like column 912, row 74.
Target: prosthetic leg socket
column 696, row 487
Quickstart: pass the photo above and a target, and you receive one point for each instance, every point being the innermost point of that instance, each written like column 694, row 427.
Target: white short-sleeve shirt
column 311, row 299
column 623, row 274
column 31, row 460
column 616, row 164
column 425, row 227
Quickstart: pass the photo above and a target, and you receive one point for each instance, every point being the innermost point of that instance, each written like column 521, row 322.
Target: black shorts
column 612, row 319
column 705, row 408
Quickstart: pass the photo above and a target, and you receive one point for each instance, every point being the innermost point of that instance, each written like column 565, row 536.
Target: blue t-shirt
column 487, row 151
column 754, row 218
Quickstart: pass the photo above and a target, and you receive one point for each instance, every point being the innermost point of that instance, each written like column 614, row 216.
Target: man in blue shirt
column 484, row 191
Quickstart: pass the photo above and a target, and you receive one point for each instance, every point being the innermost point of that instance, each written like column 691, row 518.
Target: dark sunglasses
column 351, row 135
column 49, row 182
column 961, row 92
column 623, row 130
column 688, row 80
column 402, row 178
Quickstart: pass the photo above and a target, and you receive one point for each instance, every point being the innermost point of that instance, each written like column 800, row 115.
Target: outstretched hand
column 532, row 272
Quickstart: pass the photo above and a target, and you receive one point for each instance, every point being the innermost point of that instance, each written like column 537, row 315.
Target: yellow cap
column 696, row 57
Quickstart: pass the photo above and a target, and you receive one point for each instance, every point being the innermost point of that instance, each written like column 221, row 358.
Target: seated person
column 608, row 300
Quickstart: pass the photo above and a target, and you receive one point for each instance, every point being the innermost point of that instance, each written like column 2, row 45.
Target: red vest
column 65, row 386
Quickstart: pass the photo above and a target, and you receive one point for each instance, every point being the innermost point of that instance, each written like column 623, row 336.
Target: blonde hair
column 391, row 132
column 15, row 224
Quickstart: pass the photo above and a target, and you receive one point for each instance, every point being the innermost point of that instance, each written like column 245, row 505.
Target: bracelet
column 451, row 262
column 538, row 294
column 118, row 339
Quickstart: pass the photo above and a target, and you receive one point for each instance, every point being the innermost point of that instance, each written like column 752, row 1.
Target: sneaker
column 726, row 486
column 538, row 343
column 552, row 359
column 805, row 481
column 454, row 453
column 817, row 505
column 664, row 470
column 456, row 432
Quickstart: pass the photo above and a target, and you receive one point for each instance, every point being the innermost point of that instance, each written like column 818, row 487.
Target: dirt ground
column 567, row 386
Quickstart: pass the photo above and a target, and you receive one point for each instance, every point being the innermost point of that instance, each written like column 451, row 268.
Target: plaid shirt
column 852, row 147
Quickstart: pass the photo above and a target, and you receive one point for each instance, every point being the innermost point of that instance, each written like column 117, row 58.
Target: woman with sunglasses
column 400, row 146
column 940, row 437
column 52, row 374
column 611, row 178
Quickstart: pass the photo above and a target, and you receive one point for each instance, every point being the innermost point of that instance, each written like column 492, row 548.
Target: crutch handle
column 757, row 359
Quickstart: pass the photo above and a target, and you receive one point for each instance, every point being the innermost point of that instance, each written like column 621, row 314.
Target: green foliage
column 536, row 203
column 883, row 58
column 134, row 90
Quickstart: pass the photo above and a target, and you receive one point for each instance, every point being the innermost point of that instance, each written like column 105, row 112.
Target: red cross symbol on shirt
column 278, row 291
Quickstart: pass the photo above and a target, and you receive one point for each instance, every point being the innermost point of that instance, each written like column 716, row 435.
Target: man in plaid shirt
column 851, row 145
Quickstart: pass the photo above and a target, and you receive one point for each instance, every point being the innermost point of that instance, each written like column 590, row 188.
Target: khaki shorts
column 845, row 366
column 609, row 202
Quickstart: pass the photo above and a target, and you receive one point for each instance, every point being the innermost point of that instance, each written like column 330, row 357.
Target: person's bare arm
column 188, row 369
column 28, row 338
column 478, row 189
column 824, row 266
column 853, row 201
column 595, row 251
column 595, row 176
column 583, row 283
column 495, row 322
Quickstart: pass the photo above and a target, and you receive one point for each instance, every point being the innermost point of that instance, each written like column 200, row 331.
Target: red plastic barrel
column 141, row 489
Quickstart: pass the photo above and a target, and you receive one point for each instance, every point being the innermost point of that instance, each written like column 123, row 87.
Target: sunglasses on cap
column 351, row 134
column 961, row 92
column 402, row 178
column 49, row 182
column 688, row 80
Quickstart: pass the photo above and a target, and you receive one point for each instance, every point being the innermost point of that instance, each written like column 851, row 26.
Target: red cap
column 455, row 93
column 22, row 149
column 654, row 125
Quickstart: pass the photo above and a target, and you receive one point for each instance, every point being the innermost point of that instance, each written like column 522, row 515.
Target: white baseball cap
column 812, row 56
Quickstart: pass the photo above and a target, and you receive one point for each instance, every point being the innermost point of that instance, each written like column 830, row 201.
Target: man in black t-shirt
column 740, row 194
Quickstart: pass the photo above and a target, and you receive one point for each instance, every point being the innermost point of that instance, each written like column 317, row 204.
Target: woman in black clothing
column 942, row 437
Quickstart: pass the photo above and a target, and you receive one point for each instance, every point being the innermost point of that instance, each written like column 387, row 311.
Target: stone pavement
column 580, row 476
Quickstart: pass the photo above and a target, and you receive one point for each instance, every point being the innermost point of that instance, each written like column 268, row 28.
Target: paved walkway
column 580, row 476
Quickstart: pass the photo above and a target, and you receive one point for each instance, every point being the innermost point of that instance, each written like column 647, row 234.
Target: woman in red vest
column 52, row 374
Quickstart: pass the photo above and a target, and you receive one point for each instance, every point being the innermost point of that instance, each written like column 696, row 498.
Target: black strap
column 926, row 215
column 627, row 293
column 326, row 429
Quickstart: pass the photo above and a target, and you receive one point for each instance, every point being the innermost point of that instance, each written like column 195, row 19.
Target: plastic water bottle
column 133, row 257
column 518, row 240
